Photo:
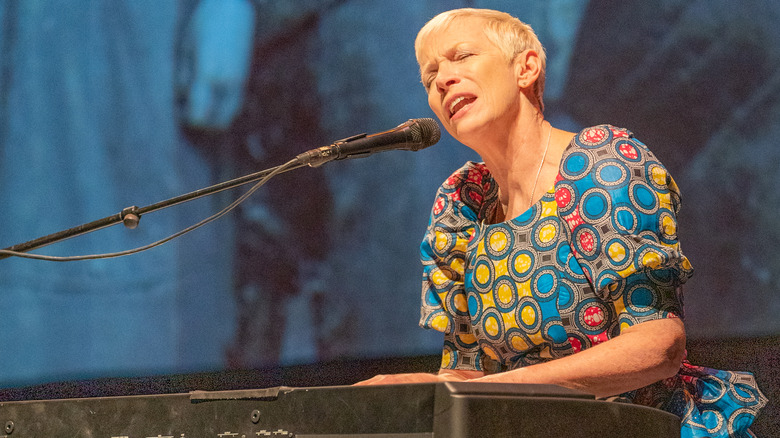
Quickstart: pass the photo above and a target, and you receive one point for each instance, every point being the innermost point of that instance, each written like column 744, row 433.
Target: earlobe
column 527, row 68
column 521, row 81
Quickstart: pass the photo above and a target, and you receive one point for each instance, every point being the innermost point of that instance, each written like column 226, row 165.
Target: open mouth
column 460, row 103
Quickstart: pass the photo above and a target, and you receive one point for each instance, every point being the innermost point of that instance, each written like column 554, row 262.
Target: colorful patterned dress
column 598, row 253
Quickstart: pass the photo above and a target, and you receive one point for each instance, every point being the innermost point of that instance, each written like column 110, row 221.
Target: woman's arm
column 642, row 354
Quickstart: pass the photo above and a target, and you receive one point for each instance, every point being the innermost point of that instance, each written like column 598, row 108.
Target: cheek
column 503, row 99
column 434, row 101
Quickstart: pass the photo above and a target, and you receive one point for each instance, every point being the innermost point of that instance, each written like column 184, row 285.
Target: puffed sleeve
column 620, row 206
column 456, row 211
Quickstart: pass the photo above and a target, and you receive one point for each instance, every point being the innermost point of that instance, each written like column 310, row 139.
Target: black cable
column 280, row 169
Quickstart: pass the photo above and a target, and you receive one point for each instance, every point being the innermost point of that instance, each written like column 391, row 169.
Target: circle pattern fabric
column 597, row 254
column 608, row 220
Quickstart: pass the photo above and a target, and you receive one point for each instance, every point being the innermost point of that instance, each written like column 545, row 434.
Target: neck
column 518, row 163
column 524, row 176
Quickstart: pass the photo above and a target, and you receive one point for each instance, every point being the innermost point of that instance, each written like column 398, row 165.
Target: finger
column 372, row 381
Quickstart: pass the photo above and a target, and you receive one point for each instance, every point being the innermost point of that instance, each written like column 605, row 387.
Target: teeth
column 454, row 103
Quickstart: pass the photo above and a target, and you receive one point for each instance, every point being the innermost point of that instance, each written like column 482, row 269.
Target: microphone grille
column 426, row 132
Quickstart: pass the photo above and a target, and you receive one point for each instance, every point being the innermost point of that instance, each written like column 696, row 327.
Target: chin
column 464, row 129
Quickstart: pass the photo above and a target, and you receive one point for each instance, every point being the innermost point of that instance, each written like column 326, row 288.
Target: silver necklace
column 539, row 172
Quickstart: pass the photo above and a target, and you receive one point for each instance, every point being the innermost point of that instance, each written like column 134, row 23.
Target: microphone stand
column 413, row 135
column 130, row 216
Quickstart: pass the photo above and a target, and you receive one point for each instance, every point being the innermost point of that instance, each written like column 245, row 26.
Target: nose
column 446, row 77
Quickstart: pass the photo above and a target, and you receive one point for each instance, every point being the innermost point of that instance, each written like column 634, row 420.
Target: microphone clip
column 321, row 155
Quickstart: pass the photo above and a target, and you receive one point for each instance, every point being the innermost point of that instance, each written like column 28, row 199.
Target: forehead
column 443, row 39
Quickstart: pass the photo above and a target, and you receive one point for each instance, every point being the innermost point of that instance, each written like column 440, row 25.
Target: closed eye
column 460, row 56
column 428, row 79
column 455, row 56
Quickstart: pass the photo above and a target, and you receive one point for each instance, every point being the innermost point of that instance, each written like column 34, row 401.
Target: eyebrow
column 449, row 53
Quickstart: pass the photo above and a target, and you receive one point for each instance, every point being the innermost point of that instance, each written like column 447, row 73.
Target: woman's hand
column 443, row 376
column 392, row 379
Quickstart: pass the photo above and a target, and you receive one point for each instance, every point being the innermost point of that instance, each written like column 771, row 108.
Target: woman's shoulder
column 605, row 145
column 597, row 136
column 470, row 173
column 472, row 178
column 470, row 186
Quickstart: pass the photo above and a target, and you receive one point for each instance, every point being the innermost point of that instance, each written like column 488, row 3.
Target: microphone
column 412, row 135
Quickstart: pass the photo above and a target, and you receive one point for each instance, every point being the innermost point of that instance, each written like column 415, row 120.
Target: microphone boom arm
column 412, row 135
column 130, row 216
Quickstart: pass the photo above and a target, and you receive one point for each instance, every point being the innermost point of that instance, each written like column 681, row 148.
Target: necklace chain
column 539, row 172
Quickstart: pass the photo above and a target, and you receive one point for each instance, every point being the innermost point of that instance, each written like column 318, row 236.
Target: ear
column 528, row 67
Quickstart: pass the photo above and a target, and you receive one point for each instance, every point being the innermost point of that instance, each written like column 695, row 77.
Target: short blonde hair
column 508, row 33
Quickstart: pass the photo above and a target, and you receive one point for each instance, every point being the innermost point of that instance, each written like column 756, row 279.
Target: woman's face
column 472, row 86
